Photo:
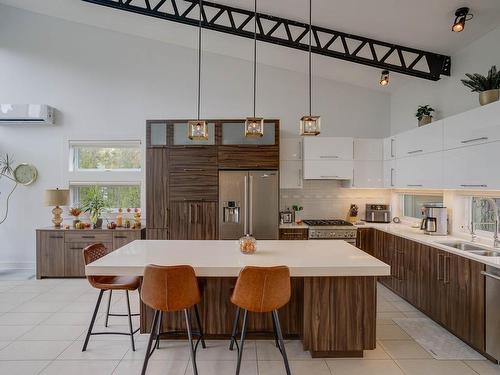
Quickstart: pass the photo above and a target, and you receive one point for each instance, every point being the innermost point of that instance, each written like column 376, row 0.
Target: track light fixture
column 384, row 78
column 461, row 16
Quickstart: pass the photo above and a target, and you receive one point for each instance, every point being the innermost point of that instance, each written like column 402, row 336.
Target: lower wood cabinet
column 59, row 252
column 448, row 288
column 365, row 240
column 193, row 220
column 294, row 234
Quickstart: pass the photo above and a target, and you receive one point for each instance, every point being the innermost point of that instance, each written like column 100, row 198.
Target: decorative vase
column 489, row 96
column 248, row 244
column 98, row 224
column 76, row 220
column 425, row 120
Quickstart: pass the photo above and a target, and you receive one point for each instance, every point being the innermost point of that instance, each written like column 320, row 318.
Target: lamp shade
column 56, row 197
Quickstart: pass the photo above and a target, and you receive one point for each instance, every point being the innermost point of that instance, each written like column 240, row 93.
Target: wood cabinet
column 192, row 220
column 294, row 233
column 157, row 187
column 59, row 252
column 365, row 240
column 449, row 288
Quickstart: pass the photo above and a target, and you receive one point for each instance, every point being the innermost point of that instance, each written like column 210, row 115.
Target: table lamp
column 57, row 197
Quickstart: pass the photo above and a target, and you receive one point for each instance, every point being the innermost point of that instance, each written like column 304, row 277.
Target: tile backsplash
column 324, row 199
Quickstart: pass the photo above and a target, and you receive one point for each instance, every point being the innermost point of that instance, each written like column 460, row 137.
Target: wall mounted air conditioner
column 12, row 114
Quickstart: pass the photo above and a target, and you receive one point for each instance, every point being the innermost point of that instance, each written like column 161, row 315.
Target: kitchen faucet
column 496, row 241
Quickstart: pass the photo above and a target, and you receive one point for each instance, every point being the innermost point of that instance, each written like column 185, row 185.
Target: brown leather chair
column 169, row 289
column 127, row 283
column 261, row 290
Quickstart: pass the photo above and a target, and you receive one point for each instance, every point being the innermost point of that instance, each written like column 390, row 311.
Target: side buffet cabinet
column 59, row 252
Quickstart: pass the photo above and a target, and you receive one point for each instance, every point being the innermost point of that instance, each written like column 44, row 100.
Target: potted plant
column 487, row 87
column 75, row 212
column 95, row 203
column 424, row 114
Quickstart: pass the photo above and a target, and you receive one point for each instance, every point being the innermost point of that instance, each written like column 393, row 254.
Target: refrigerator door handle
column 245, row 207
column 250, row 210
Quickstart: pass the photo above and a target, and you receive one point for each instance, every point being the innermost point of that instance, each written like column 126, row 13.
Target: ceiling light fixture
column 198, row 129
column 384, row 78
column 254, row 126
column 461, row 16
column 310, row 125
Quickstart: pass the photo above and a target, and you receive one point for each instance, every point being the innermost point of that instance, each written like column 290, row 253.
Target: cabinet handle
column 392, row 176
column 329, row 176
column 56, row 236
column 471, row 185
column 193, row 169
column 328, row 157
column 474, row 140
column 414, row 152
column 446, row 278
column 414, row 185
column 439, row 278
column 490, row 275
column 88, row 236
column 76, row 248
column 392, row 148
column 300, row 177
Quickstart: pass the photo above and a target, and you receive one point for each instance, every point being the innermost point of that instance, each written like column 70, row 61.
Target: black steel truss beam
column 290, row 33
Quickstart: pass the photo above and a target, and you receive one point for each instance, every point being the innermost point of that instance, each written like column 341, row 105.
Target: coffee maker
column 435, row 221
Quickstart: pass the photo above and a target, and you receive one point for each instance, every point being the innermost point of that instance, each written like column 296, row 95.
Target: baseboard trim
column 17, row 266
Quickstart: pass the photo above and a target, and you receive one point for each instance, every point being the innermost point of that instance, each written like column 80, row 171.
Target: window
column 483, row 213
column 105, row 156
column 412, row 204
column 118, row 196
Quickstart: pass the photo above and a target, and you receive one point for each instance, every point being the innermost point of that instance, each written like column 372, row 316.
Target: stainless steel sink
column 472, row 248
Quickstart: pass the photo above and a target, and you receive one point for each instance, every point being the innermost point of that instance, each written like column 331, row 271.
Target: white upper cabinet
column 328, row 148
column 389, row 173
column 367, row 174
column 423, row 140
column 480, row 125
column 291, row 149
column 421, row 171
column 291, row 174
column 474, row 167
column 328, row 169
column 389, row 148
column 368, row 149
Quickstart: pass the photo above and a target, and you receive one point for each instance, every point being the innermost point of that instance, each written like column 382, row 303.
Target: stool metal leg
column 129, row 320
column 107, row 310
column 280, row 339
column 160, row 330
column 92, row 321
column 200, row 327
column 242, row 341
column 235, row 328
column 187, row 315
column 150, row 342
column 275, row 334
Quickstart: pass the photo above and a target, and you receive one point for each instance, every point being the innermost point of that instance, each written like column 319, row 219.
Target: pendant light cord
column 310, row 71
column 199, row 59
column 254, row 57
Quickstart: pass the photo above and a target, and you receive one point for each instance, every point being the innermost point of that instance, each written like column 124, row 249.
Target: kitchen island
column 333, row 304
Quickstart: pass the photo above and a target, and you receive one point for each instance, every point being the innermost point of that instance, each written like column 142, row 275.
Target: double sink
column 472, row 248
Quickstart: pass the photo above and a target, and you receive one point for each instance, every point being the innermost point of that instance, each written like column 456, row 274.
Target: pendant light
column 254, row 126
column 198, row 129
column 310, row 125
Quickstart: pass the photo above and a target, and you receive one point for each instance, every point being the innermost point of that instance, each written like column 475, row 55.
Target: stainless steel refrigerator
column 248, row 204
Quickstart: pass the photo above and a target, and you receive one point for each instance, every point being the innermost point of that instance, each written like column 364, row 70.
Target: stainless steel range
column 332, row 230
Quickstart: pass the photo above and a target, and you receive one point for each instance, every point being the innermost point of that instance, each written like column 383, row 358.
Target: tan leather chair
column 169, row 289
column 127, row 283
column 261, row 290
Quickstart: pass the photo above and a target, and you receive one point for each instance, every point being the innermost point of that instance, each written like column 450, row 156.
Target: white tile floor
column 43, row 324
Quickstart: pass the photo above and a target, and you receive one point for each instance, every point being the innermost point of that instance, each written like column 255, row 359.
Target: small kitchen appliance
column 287, row 216
column 435, row 220
column 331, row 230
column 378, row 213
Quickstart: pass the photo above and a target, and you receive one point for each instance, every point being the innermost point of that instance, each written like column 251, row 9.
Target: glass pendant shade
column 254, row 127
column 198, row 130
column 310, row 125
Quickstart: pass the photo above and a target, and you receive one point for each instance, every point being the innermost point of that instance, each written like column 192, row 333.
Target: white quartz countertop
column 223, row 258
column 415, row 234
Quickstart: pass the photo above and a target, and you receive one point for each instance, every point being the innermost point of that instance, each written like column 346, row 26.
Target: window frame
column 412, row 219
column 468, row 217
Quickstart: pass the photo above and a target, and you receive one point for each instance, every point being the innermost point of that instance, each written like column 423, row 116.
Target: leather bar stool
column 261, row 290
column 126, row 283
column 170, row 289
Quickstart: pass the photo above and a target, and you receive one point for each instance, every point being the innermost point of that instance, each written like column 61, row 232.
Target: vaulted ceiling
column 422, row 24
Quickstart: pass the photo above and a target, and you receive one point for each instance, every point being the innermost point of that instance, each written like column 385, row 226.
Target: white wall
column 448, row 96
column 105, row 85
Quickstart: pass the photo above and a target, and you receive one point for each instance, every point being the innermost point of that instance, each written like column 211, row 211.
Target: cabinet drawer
column 74, row 265
column 421, row 140
column 89, row 237
column 328, row 170
column 480, row 125
column 121, row 238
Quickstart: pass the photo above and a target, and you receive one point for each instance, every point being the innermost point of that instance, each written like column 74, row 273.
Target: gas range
column 331, row 229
